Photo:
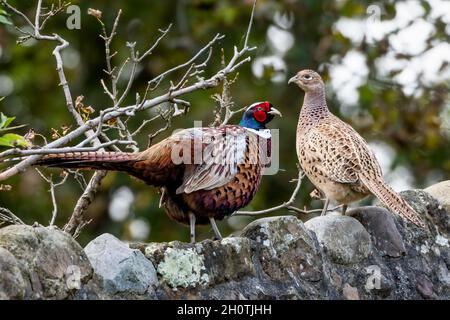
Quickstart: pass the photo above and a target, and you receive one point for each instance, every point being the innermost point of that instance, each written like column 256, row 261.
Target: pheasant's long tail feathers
column 391, row 199
column 118, row 161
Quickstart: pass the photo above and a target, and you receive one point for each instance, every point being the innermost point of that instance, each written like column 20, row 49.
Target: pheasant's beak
column 292, row 80
column 275, row 112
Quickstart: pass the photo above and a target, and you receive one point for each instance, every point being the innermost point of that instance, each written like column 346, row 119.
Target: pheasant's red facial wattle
column 265, row 105
column 260, row 114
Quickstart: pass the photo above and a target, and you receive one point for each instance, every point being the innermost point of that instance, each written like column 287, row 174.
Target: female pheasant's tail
column 117, row 161
column 391, row 199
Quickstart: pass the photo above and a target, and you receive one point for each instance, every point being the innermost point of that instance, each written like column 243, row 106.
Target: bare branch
column 52, row 192
column 285, row 205
column 45, row 151
column 146, row 122
column 250, row 23
column 19, row 13
column 168, row 120
column 106, row 89
column 109, row 68
column 150, row 50
column 7, row 216
column 53, row 12
column 224, row 102
column 131, row 78
column 187, row 63
column 76, row 222
column 37, row 18
column 288, row 205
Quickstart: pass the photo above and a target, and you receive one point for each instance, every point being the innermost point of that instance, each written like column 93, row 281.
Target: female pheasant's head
column 308, row 80
column 258, row 114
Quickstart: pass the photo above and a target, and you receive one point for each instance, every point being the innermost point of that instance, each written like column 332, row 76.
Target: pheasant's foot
column 192, row 226
column 325, row 207
column 344, row 209
column 217, row 235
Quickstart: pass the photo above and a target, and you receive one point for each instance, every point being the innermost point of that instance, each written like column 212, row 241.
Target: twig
column 155, row 44
column 250, row 23
column 19, row 13
column 285, row 205
column 45, row 151
column 224, row 104
column 53, row 11
column 52, row 193
column 189, row 62
column 76, row 222
column 168, row 120
column 7, row 216
column 146, row 122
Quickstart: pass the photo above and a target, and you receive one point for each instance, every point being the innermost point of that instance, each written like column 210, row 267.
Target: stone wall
column 368, row 254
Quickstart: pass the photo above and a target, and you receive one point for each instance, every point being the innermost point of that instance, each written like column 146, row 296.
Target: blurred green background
column 386, row 65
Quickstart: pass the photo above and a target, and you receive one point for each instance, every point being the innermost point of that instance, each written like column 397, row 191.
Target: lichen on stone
column 150, row 249
column 441, row 240
column 424, row 248
column 183, row 268
column 234, row 242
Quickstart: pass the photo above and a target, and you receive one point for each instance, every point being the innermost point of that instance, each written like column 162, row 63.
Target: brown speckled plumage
column 336, row 159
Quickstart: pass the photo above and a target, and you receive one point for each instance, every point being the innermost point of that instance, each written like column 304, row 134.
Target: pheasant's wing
column 222, row 150
column 342, row 151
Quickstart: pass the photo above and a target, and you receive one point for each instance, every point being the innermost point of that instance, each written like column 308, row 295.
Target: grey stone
column 441, row 192
column 52, row 263
column 425, row 287
column 178, row 264
column 429, row 208
column 380, row 224
column 350, row 293
column 190, row 265
column 12, row 285
column 123, row 270
column 444, row 275
column 281, row 238
column 273, row 258
column 344, row 238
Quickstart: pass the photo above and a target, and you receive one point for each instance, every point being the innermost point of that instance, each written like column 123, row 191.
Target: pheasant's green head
column 258, row 115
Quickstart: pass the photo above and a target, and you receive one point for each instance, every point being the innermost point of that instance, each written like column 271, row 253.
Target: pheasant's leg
column 192, row 226
column 344, row 209
column 162, row 199
column 325, row 207
column 215, row 229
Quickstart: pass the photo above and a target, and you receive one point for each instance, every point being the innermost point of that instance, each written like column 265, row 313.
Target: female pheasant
column 335, row 158
column 204, row 174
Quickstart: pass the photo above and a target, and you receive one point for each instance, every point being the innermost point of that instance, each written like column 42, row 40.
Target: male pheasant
column 203, row 173
column 335, row 158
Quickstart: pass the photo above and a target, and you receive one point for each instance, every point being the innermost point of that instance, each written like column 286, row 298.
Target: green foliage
column 4, row 17
column 10, row 139
column 4, row 120
column 13, row 140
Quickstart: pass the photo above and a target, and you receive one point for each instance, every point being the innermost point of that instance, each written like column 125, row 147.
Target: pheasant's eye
column 259, row 109
column 307, row 77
